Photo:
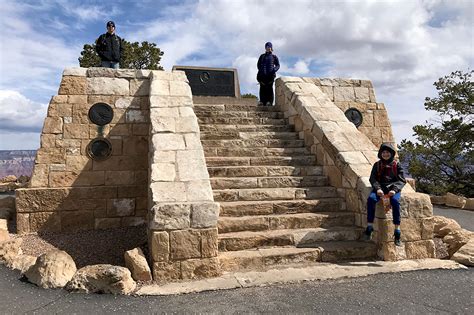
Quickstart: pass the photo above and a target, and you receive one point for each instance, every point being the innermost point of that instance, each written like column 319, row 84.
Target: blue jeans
column 394, row 201
column 110, row 64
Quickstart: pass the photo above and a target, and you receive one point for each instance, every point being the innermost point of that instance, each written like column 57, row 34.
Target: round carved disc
column 99, row 149
column 354, row 116
column 101, row 114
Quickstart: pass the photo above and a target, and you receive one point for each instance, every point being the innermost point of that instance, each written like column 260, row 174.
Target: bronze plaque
column 211, row 81
column 99, row 149
column 101, row 114
column 354, row 116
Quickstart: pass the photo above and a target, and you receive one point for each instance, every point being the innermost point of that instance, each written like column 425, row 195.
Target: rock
column 412, row 183
column 102, row 279
column 9, row 179
column 443, row 226
column 456, row 239
column 469, row 204
column 438, row 200
column 23, row 179
column 4, row 187
column 455, row 201
column 52, row 270
column 22, row 263
column 465, row 255
column 9, row 250
column 4, row 236
column 7, row 202
column 441, row 249
column 136, row 262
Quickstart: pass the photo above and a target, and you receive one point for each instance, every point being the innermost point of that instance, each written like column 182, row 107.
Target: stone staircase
column 277, row 207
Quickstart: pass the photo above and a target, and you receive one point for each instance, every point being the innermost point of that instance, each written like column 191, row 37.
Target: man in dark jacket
column 109, row 47
column 387, row 179
column 267, row 65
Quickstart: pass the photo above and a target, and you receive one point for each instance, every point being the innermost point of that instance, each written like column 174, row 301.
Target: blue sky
column 402, row 46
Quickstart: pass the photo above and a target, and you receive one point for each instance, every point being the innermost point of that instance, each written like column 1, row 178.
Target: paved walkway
column 465, row 218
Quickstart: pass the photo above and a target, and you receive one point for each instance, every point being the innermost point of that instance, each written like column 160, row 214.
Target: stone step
column 284, row 221
column 344, row 250
column 297, row 237
column 238, row 114
column 245, row 128
column 301, row 160
column 254, row 152
column 252, row 143
column 265, row 170
column 263, row 258
column 274, row 193
column 210, row 100
column 237, row 135
column 268, row 182
column 249, row 208
column 242, row 121
column 220, row 107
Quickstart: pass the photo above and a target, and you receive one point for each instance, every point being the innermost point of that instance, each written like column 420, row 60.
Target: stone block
column 170, row 216
column 165, row 272
column 76, row 131
column 420, row 249
column 127, row 102
column 50, row 156
column 71, row 85
column 166, row 141
column 344, row 94
column 73, row 221
column 438, row 200
column 132, row 191
column 187, row 124
column 80, row 113
column 200, row 268
column 427, row 228
column 121, row 207
column 119, row 177
column 160, row 246
column 209, row 242
column 139, row 87
column 163, row 124
column 121, row 130
column 192, row 141
column 185, row 244
column 204, row 215
column 199, row 190
column 390, row 252
column 135, row 145
column 40, row 177
column 76, row 72
column 381, row 118
column 107, row 86
column 136, row 262
column 164, row 157
column 45, row 222
column 455, row 201
column 170, row 101
column 78, row 163
column 179, row 88
column 59, row 110
column 362, row 94
column 159, row 88
column 416, row 205
column 53, row 125
column 136, row 116
column 106, row 223
column 168, row 191
column 191, row 165
column 23, row 223
column 163, row 172
column 141, row 129
column 469, row 204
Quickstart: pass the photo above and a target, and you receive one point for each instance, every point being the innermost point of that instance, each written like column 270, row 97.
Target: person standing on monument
column 109, row 47
column 268, row 65
column 387, row 181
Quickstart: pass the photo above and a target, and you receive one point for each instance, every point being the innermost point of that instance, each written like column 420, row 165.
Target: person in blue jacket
column 268, row 65
column 386, row 178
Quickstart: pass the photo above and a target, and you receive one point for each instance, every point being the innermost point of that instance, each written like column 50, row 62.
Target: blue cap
column 268, row 44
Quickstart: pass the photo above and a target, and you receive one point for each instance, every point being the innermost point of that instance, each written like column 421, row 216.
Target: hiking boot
column 368, row 233
column 397, row 236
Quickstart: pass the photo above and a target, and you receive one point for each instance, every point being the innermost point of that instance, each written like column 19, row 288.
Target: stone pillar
column 182, row 212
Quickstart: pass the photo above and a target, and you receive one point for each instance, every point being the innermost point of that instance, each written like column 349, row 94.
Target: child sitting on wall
column 386, row 179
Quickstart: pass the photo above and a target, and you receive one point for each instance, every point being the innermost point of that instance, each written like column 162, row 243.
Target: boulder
column 9, row 179
column 443, row 226
column 52, row 270
column 455, row 201
column 441, row 249
column 411, row 182
column 469, row 204
column 135, row 261
column 22, row 263
column 465, row 255
column 7, row 202
column 456, row 239
column 102, row 279
column 438, row 200
column 9, row 250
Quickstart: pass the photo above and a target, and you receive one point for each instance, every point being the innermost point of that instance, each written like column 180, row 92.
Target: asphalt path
column 415, row 292
column 465, row 218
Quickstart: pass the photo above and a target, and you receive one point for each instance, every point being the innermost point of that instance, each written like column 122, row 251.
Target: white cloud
column 18, row 113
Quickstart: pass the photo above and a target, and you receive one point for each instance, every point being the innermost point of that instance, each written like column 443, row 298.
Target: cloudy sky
column 402, row 46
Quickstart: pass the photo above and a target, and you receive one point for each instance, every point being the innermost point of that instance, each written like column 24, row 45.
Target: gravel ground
column 89, row 247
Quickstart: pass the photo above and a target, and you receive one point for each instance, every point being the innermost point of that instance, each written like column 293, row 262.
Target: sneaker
column 397, row 235
column 260, row 104
column 368, row 233
column 268, row 104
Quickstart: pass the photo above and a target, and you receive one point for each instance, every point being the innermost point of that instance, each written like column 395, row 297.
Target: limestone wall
column 347, row 156
column 69, row 191
column 359, row 94
column 183, row 216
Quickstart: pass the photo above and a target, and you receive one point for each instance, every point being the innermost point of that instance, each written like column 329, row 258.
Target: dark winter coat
column 268, row 65
column 387, row 175
column 109, row 47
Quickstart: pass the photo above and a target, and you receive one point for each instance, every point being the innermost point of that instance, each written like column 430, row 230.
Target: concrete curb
column 292, row 275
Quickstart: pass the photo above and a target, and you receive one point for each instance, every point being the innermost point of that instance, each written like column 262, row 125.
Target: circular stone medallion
column 354, row 116
column 101, row 114
column 99, row 149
